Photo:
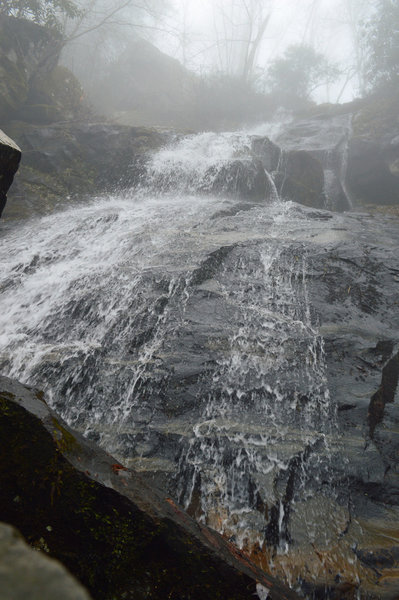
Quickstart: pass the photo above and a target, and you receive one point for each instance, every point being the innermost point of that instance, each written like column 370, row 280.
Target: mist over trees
column 102, row 32
column 234, row 55
column 239, row 28
column 298, row 73
column 382, row 33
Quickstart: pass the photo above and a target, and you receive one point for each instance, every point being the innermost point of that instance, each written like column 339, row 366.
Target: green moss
column 5, row 398
column 64, row 439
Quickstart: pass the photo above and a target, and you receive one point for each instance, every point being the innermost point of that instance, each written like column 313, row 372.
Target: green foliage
column 382, row 33
column 296, row 74
column 44, row 12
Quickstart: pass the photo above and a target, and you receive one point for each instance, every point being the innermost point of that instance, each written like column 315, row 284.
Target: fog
column 112, row 50
column 323, row 24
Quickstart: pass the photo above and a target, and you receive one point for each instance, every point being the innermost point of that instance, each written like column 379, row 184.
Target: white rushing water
column 269, row 406
column 94, row 298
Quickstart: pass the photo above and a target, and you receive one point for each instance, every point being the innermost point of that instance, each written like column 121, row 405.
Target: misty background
column 218, row 63
column 237, row 44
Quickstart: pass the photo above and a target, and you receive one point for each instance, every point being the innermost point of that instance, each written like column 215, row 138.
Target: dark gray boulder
column 373, row 169
column 301, row 179
column 10, row 156
column 325, row 136
column 244, row 179
column 267, row 152
column 373, row 156
column 76, row 159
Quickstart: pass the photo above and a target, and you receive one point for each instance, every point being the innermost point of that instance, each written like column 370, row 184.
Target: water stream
column 173, row 325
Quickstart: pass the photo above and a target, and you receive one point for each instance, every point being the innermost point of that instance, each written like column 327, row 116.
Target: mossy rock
column 13, row 88
column 67, row 160
column 54, row 96
column 120, row 537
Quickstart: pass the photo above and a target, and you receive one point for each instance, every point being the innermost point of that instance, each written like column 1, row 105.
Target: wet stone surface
column 243, row 358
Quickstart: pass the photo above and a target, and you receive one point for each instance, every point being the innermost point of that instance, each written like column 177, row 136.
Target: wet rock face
column 242, row 179
column 373, row 174
column 353, row 291
column 352, row 287
column 116, row 534
column 27, row 573
column 243, row 358
column 10, row 156
column 325, row 137
column 298, row 174
column 302, row 179
column 267, row 152
column 241, row 354
column 67, row 159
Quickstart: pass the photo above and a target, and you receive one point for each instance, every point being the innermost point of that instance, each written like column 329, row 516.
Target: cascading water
column 178, row 313
column 269, row 400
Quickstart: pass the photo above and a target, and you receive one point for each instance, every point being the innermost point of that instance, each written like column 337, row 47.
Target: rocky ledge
column 75, row 159
column 10, row 155
column 119, row 536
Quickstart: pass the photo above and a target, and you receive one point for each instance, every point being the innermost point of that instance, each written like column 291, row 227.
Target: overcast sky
column 316, row 22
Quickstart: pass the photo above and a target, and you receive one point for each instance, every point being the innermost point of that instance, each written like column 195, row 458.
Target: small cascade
column 262, row 444
column 335, row 163
column 85, row 302
column 195, row 163
column 326, row 140
column 344, row 162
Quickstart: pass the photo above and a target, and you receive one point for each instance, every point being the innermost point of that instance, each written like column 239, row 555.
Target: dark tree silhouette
column 44, row 12
column 299, row 72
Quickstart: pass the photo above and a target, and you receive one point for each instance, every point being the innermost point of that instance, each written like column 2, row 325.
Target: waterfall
column 181, row 311
column 269, row 401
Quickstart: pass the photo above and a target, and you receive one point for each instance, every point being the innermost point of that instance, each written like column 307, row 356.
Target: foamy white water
column 98, row 301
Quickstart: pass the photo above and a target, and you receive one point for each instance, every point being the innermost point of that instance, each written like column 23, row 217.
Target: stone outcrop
column 301, row 179
column 28, row 573
column 27, row 53
column 324, row 136
column 117, row 535
column 244, row 179
column 10, row 156
column 267, row 152
column 358, row 147
column 298, row 174
column 68, row 160
column 341, row 269
column 373, row 158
